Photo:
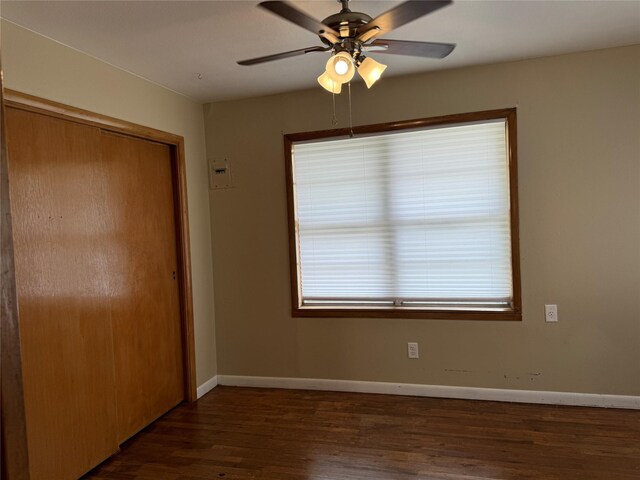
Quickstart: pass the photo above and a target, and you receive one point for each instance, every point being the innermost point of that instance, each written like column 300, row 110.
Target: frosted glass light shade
column 370, row 71
column 328, row 84
column 336, row 67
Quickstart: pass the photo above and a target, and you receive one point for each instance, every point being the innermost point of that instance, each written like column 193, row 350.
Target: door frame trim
column 13, row 426
column 43, row 106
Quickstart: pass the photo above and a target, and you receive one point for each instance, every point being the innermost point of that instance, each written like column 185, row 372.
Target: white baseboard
column 207, row 386
column 441, row 391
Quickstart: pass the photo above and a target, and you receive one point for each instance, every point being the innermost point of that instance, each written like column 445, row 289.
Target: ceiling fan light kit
column 349, row 34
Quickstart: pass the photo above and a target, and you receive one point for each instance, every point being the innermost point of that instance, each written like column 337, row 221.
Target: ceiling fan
column 348, row 35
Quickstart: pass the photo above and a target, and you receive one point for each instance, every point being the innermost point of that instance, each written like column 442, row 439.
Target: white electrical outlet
column 412, row 350
column 551, row 313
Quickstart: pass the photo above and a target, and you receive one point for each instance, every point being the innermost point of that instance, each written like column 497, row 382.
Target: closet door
column 146, row 313
column 97, row 283
column 65, row 241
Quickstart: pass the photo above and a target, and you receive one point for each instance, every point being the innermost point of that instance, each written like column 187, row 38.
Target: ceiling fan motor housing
column 346, row 23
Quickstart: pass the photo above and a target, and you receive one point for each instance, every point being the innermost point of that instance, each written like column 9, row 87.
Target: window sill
column 399, row 312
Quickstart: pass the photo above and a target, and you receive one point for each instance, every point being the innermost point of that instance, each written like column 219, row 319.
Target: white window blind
column 411, row 219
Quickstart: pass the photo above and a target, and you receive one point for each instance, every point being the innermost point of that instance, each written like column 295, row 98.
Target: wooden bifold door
column 100, row 280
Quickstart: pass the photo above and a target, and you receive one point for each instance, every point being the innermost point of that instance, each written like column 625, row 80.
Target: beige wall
column 579, row 145
column 38, row 66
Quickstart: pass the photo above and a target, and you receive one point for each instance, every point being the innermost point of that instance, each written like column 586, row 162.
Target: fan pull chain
column 334, row 120
column 350, row 119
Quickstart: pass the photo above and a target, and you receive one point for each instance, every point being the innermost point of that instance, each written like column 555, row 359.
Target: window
column 413, row 219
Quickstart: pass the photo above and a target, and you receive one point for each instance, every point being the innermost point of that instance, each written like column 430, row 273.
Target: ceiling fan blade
column 279, row 56
column 414, row 49
column 398, row 16
column 291, row 13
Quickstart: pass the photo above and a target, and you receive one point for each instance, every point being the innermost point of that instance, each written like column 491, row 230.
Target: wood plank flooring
column 269, row 434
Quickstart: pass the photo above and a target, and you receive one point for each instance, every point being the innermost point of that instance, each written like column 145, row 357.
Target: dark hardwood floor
column 269, row 434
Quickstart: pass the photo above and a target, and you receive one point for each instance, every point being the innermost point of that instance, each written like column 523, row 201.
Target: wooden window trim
column 513, row 314
column 31, row 103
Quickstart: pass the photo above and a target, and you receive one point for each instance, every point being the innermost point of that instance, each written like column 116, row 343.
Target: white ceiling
column 192, row 47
